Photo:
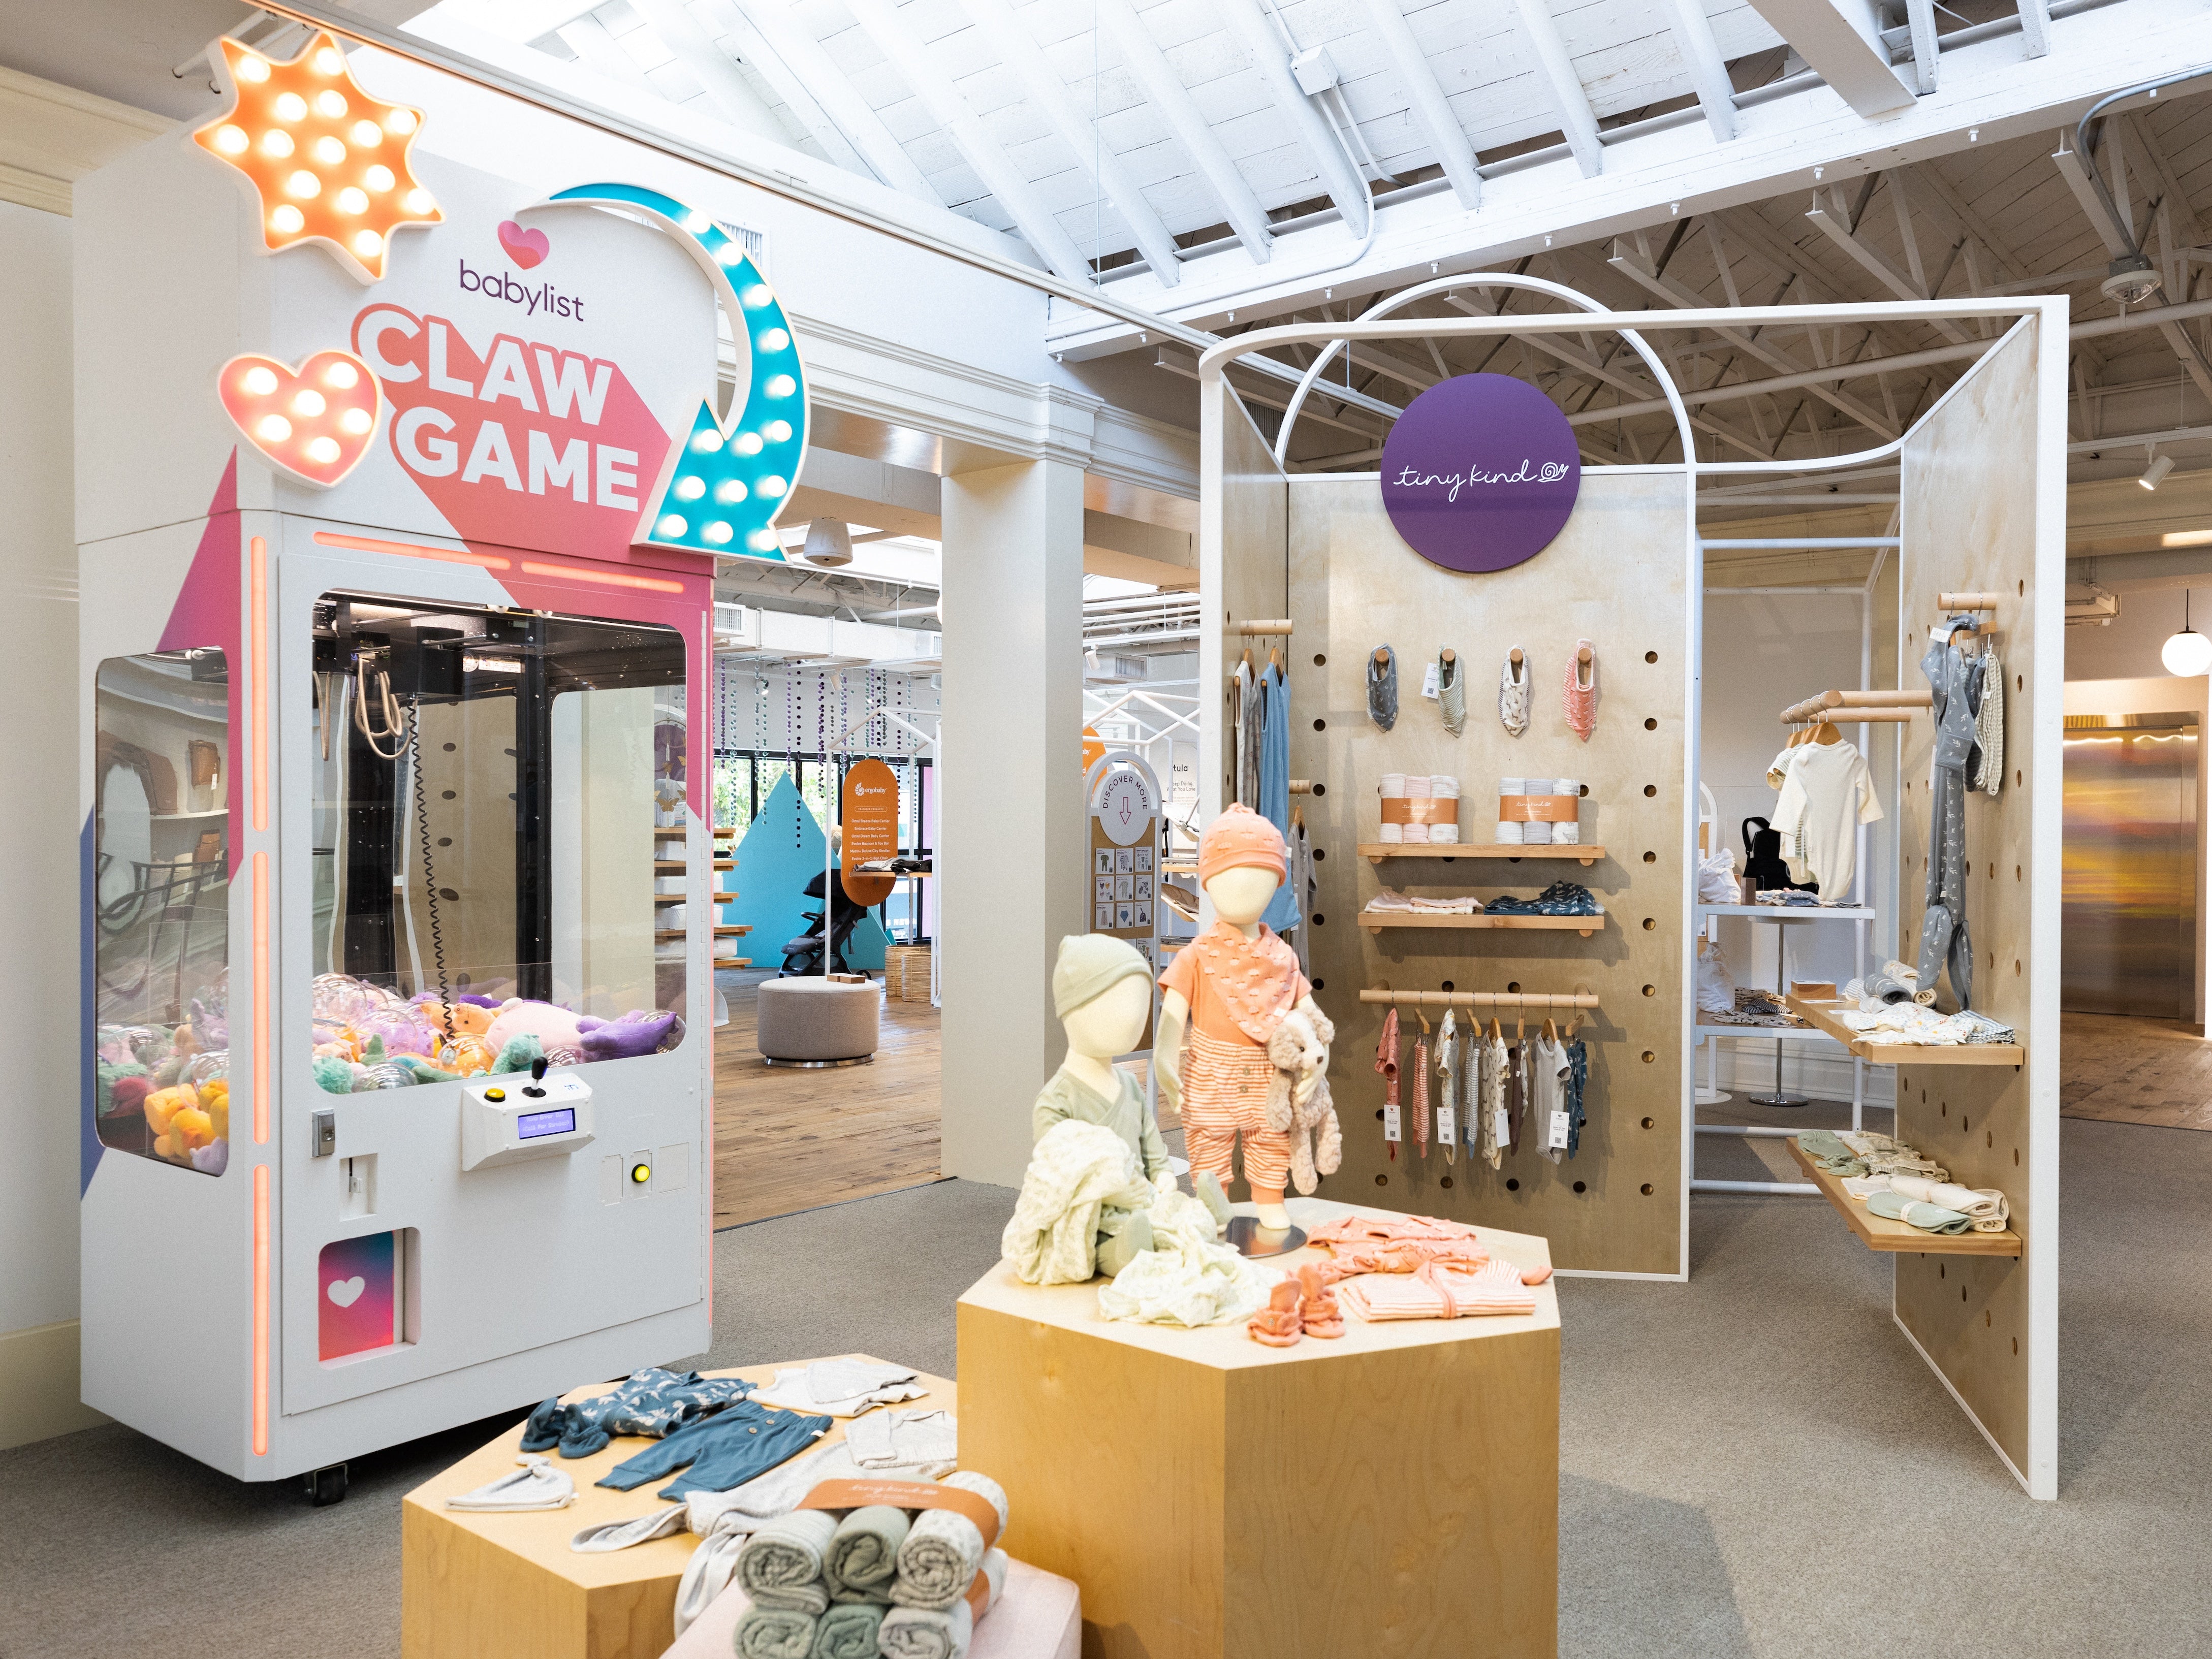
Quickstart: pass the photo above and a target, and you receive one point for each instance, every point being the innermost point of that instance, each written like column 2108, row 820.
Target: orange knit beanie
column 1240, row 839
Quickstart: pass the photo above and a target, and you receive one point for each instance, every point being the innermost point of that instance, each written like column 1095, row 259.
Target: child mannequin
column 1228, row 990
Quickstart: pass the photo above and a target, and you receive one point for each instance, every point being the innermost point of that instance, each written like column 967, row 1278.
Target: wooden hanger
column 1422, row 1018
column 1248, row 656
column 1551, row 1031
column 1826, row 734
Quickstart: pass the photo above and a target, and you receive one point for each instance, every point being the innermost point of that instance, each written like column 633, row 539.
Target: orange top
column 1238, row 988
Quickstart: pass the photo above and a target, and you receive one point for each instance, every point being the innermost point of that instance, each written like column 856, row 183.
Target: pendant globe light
column 2187, row 653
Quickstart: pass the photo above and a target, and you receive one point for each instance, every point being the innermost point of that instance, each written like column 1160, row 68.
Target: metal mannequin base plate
column 1248, row 1238
column 821, row 1065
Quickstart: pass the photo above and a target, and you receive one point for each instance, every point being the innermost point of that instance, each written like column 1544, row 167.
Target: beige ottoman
column 816, row 1022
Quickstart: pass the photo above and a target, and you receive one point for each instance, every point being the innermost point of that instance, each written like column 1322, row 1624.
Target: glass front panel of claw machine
column 160, row 903
column 499, row 841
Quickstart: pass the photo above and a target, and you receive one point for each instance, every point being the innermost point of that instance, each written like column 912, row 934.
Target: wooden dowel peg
column 1381, row 657
column 1515, row 656
column 1301, row 786
column 1583, row 656
column 1973, row 601
column 1273, row 625
column 1450, row 656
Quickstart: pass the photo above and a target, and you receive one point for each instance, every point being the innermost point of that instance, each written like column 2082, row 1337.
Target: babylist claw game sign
column 1481, row 472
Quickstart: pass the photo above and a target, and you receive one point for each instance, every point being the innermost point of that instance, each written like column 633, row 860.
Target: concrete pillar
column 1011, row 865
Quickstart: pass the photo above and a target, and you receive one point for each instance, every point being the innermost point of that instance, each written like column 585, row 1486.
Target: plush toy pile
column 174, row 1080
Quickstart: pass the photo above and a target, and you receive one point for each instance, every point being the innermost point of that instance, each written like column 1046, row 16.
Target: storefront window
column 499, row 804
column 161, row 907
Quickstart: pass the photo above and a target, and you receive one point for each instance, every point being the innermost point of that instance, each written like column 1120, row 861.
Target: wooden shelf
column 1823, row 1015
column 677, row 867
column 723, row 931
column 659, row 899
column 1376, row 852
column 1584, row 925
column 1879, row 1233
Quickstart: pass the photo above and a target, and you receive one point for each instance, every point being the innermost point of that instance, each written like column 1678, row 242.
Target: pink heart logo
column 524, row 248
column 316, row 423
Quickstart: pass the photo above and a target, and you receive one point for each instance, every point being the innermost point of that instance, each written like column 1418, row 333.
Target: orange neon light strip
column 259, row 647
column 414, row 551
column 606, row 578
column 261, row 999
column 261, row 1310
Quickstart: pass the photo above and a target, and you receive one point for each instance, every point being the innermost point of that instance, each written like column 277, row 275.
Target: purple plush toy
column 640, row 1031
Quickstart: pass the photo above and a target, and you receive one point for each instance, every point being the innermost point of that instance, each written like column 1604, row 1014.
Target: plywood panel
column 1616, row 575
column 1971, row 520
column 1256, row 578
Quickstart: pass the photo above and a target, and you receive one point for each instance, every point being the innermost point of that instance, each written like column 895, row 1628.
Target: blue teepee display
column 777, row 856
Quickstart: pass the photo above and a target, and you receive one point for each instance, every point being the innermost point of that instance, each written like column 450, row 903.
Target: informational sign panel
column 1123, row 870
column 869, row 813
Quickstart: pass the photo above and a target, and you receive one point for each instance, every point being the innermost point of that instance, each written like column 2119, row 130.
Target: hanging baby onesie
column 1944, row 938
column 1251, row 730
column 1577, row 1088
column 1513, row 696
column 1382, row 687
column 1421, row 1094
column 1550, row 1076
column 1448, row 1046
column 1517, row 1093
column 1274, row 799
column 1581, row 691
column 1473, row 1052
column 1301, row 884
column 1451, row 692
column 1386, row 1062
column 1827, row 793
column 1490, row 1107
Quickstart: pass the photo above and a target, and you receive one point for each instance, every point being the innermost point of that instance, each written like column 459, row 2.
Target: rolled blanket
column 863, row 1556
column 1392, row 786
column 774, row 1633
column 1537, row 833
column 944, row 1550
column 848, row 1631
column 929, row 1634
column 1444, row 834
column 1443, row 786
column 1391, row 833
column 780, row 1566
column 1419, row 786
column 1927, row 1218
column 1986, row 1207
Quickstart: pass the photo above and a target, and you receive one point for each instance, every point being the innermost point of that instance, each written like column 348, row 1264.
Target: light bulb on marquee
column 355, row 187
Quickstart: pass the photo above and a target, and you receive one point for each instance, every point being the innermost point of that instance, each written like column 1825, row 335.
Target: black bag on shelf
column 1763, row 861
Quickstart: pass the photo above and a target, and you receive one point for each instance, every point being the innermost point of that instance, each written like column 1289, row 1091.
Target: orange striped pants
column 1224, row 1094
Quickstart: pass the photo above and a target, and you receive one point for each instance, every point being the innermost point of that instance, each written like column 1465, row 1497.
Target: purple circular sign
column 1481, row 472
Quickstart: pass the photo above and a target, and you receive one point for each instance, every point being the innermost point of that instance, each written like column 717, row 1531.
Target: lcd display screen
column 531, row 1125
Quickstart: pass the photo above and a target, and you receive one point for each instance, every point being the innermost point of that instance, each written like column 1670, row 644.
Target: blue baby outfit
column 651, row 1402
column 721, row 1451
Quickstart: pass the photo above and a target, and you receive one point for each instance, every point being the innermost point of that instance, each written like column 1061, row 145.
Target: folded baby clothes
column 932, row 1634
column 1464, row 905
column 780, row 1566
column 1561, row 898
column 1437, row 1290
column 774, row 1633
column 1929, row 1218
column 914, row 1443
column 843, row 1387
column 863, row 1556
column 941, row 1554
column 1567, row 832
column 718, row 1452
column 536, row 1485
column 1189, row 1277
column 850, row 1630
column 1386, row 901
column 1986, row 1206
column 652, row 1402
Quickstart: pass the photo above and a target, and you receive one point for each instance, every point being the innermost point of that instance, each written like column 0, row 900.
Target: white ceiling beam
column 2119, row 236
column 797, row 97
column 1569, row 100
column 726, row 88
column 598, row 51
column 1036, row 225
column 1171, row 99
column 1019, row 50
column 1701, row 55
column 780, row 25
column 1831, row 216
column 1448, row 140
column 1840, row 40
column 1920, row 20
column 2035, row 26
column 1340, row 177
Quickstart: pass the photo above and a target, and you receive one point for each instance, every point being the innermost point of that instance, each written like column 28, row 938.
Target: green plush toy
column 111, row 1072
column 333, row 1075
column 519, row 1053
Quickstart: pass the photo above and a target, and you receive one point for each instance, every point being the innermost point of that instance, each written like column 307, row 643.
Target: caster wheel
column 327, row 1486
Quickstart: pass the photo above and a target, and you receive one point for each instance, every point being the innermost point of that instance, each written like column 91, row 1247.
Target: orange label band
column 908, row 1495
column 1538, row 809
column 1404, row 809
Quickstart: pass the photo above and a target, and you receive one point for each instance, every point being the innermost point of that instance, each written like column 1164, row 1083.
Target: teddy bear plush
column 1297, row 1048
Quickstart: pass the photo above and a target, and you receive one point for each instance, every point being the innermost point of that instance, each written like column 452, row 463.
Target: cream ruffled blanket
column 1076, row 1171
column 1189, row 1277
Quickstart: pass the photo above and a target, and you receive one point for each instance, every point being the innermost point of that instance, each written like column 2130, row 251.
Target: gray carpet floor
column 1752, row 1464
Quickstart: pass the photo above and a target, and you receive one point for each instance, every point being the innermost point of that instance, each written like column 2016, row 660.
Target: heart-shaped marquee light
column 316, row 423
column 330, row 163
column 720, row 489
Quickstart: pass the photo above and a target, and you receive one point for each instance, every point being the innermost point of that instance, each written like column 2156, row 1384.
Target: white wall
column 40, row 1110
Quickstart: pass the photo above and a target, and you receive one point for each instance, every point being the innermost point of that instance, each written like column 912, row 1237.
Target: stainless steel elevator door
column 2131, row 865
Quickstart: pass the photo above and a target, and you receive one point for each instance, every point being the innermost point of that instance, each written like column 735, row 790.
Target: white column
column 1010, row 862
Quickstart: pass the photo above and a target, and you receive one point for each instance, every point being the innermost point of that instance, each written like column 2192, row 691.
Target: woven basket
column 906, row 973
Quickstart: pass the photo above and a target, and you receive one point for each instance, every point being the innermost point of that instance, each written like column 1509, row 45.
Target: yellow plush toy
column 467, row 1055
column 461, row 1019
column 214, row 1101
column 162, row 1106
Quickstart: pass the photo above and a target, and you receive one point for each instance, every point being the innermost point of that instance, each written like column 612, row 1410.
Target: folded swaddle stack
column 1567, row 831
column 1540, row 812
column 1393, row 788
column 1510, row 828
column 1444, row 832
column 1537, row 831
column 1416, row 829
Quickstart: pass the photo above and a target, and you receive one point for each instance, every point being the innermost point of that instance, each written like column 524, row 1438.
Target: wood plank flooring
column 2135, row 1070
column 787, row 1139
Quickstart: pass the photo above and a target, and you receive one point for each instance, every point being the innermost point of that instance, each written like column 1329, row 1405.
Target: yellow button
column 641, row 1173
column 494, row 1093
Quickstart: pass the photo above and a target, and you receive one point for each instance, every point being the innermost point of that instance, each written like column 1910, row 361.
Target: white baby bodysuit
column 1827, row 793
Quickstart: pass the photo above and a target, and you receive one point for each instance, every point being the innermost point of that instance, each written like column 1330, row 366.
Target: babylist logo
column 501, row 286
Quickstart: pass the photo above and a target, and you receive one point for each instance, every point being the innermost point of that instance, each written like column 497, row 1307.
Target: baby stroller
column 803, row 954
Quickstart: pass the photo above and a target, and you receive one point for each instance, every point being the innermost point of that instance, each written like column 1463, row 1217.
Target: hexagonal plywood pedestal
column 1394, row 1491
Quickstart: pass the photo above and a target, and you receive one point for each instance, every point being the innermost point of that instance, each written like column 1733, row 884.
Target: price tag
column 1390, row 1131
column 1430, row 684
column 1503, row 1127
column 1558, row 1140
column 1447, row 1124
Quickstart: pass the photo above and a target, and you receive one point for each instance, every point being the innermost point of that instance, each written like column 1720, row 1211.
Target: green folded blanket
column 862, row 1558
column 1927, row 1218
column 780, row 1566
column 1822, row 1146
column 848, row 1632
column 774, row 1633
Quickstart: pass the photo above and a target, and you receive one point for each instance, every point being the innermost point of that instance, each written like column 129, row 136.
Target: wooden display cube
column 1394, row 1491
column 485, row 1586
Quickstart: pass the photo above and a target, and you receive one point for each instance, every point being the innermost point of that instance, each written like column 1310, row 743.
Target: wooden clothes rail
column 1252, row 629
column 1537, row 1000
column 1969, row 601
column 1875, row 705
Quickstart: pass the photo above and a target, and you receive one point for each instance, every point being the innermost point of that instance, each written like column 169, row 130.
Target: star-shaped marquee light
column 330, row 161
